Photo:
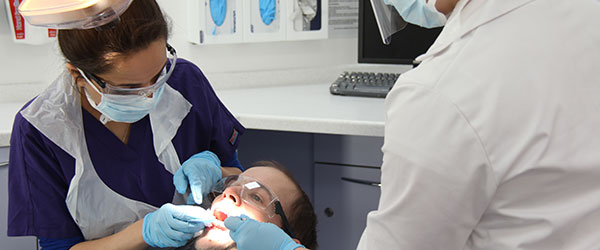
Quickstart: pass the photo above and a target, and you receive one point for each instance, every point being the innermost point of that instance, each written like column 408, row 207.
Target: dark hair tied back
column 140, row 25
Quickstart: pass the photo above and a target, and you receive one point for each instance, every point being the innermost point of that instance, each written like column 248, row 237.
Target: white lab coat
column 493, row 142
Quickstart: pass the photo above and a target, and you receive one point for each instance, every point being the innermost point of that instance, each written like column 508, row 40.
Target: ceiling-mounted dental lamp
column 73, row 14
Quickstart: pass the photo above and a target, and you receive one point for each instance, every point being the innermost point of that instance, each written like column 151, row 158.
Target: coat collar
column 467, row 16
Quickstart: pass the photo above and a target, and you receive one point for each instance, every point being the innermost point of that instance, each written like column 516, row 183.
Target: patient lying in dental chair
column 265, row 192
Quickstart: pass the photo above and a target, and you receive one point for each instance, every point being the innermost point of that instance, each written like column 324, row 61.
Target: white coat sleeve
column 436, row 178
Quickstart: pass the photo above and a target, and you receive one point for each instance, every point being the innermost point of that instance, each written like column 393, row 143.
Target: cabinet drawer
column 4, row 156
column 5, row 241
column 343, row 197
column 349, row 150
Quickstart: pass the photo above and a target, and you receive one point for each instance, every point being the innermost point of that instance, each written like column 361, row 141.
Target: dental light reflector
column 72, row 14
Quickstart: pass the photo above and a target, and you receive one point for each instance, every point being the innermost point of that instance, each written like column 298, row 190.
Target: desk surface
column 7, row 117
column 305, row 108
column 295, row 108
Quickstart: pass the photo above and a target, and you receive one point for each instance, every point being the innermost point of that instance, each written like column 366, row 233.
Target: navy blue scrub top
column 40, row 172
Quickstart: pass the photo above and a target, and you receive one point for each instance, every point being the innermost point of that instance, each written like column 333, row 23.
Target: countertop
column 305, row 108
column 286, row 100
column 8, row 111
column 296, row 108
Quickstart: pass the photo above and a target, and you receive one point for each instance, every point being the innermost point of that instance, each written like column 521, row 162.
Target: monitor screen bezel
column 365, row 5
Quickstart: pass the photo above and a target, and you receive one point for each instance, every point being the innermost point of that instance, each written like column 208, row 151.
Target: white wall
column 21, row 64
column 256, row 56
column 24, row 63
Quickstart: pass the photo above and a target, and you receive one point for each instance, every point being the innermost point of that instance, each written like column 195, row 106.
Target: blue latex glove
column 200, row 172
column 218, row 11
column 249, row 234
column 267, row 10
column 173, row 226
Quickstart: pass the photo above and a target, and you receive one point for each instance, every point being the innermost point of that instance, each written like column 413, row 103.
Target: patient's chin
column 214, row 239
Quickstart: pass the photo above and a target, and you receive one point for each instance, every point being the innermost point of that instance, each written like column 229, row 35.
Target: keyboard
column 367, row 84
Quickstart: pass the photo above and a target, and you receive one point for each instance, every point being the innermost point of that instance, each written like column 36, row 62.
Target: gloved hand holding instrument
column 250, row 234
column 173, row 226
column 200, row 172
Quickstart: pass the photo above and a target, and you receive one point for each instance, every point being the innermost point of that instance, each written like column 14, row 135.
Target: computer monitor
column 405, row 45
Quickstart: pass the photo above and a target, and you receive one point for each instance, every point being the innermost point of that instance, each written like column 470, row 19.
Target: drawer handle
column 4, row 164
column 370, row 183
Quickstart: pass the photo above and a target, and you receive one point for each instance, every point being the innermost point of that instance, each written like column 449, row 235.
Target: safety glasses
column 254, row 194
column 132, row 89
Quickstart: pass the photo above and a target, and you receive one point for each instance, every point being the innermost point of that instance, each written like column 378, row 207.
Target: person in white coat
column 492, row 141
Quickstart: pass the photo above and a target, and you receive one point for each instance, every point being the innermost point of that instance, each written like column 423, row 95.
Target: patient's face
column 230, row 204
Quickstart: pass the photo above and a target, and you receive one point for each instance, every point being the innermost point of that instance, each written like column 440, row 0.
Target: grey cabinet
column 347, row 176
column 349, row 150
column 9, row 243
column 343, row 197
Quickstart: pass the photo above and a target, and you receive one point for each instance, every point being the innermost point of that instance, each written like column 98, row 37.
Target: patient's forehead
column 277, row 182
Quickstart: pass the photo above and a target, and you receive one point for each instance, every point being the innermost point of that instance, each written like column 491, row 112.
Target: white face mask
column 419, row 12
column 123, row 108
column 129, row 104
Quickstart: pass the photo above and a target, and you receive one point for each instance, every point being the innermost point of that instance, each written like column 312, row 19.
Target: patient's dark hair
column 141, row 24
column 302, row 218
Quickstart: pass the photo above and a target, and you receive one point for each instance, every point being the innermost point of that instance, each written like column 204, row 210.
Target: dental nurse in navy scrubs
column 98, row 159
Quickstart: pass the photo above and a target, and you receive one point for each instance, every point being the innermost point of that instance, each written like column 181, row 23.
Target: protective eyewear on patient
column 254, row 194
column 135, row 89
